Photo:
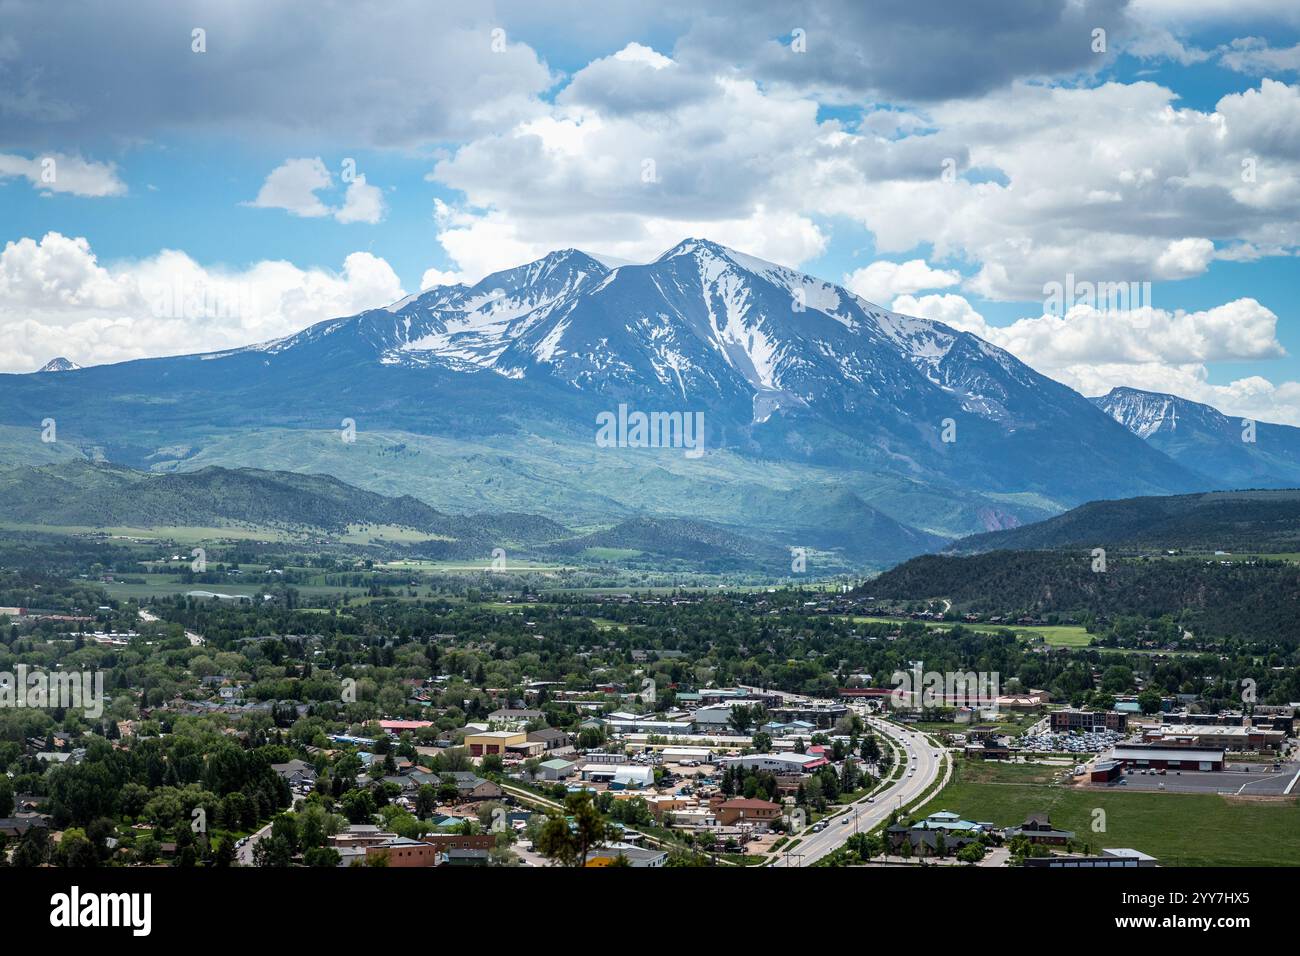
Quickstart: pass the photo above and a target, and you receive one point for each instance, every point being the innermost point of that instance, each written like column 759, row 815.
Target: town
column 778, row 727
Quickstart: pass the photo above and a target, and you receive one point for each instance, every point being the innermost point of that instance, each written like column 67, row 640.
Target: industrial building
column 1168, row 758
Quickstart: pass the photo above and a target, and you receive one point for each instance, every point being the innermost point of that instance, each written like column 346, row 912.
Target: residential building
column 296, row 773
column 470, row 786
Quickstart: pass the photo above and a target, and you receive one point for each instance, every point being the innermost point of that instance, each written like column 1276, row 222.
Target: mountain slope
column 803, row 387
column 1265, row 520
column 1211, row 599
column 1203, row 439
column 99, row 495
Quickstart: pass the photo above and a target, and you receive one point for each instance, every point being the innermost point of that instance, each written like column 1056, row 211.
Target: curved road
column 901, row 793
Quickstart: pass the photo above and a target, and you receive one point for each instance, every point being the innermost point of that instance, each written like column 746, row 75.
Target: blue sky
column 492, row 133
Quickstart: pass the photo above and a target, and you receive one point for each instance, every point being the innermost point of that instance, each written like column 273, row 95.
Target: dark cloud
column 907, row 50
column 373, row 73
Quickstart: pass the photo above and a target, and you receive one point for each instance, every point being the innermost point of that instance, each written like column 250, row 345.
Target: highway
column 929, row 767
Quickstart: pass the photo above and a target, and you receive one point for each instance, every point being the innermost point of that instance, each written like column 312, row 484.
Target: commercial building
column 552, row 740
column 822, row 713
column 556, row 769
column 1118, row 858
column 1168, row 758
column 1106, row 771
column 637, row 856
column 1228, row 737
column 484, row 742
column 760, row 813
column 682, row 755
column 777, row 763
column 619, row 776
column 1069, row 721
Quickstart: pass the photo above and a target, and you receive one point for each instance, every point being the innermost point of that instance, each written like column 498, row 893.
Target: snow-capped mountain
column 701, row 323
column 809, row 389
column 1232, row 452
column 59, row 364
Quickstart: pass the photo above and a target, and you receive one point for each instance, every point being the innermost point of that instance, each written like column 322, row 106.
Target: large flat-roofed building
column 1116, row 858
column 493, row 741
column 777, row 763
column 821, row 713
column 619, row 776
column 1067, row 721
column 759, row 813
column 659, row 728
column 1168, row 758
column 1229, row 737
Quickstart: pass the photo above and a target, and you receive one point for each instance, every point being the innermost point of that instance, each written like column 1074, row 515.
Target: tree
column 741, row 719
column 971, row 853
column 556, row 840
column 321, row 856
column 33, row 849
column 273, row 851
column 569, row 839
column 223, row 855
column 285, row 826
column 75, row 850
column 358, row 806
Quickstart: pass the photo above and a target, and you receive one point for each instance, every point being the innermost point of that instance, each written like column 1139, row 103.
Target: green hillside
column 1212, row 598
column 1261, row 521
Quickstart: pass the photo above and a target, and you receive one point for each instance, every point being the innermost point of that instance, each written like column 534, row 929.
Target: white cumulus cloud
column 882, row 280
column 294, row 184
column 56, row 298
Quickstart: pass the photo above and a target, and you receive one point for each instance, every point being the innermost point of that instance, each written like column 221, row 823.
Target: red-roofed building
column 397, row 726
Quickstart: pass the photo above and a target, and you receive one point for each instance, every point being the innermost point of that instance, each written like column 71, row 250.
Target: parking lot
column 1255, row 782
column 1081, row 743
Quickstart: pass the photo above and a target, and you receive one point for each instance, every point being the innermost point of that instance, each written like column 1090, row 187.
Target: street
column 864, row 816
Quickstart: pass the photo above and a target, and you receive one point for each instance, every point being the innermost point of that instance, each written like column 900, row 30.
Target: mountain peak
column 703, row 247
column 59, row 364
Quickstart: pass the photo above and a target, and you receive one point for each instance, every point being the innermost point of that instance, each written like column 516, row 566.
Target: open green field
column 1178, row 829
column 1056, row 635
